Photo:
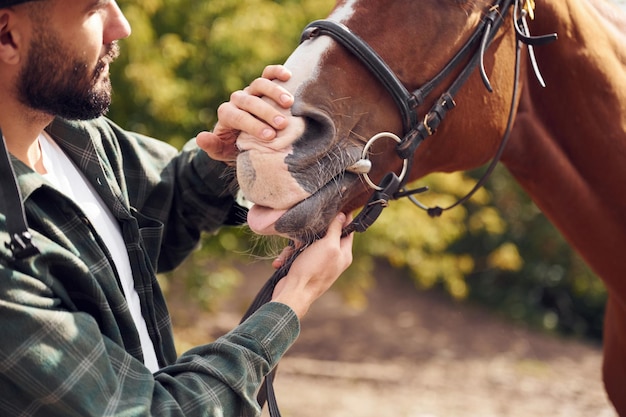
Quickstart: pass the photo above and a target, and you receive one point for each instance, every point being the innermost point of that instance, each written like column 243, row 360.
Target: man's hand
column 316, row 268
column 248, row 112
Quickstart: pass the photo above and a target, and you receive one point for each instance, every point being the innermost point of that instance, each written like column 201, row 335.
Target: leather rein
column 417, row 128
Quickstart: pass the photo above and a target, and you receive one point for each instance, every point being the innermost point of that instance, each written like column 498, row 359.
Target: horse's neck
column 606, row 11
column 568, row 148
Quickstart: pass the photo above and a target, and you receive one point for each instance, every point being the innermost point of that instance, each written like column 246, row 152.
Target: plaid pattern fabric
column 69, row 346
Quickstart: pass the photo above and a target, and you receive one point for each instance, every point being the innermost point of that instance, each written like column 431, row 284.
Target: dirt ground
column 412, row 354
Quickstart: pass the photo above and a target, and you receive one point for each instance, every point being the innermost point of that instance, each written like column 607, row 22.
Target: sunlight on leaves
column 506, row 258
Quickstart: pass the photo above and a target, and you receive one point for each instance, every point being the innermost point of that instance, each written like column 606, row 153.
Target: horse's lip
column 310, row 216
column 305, row 219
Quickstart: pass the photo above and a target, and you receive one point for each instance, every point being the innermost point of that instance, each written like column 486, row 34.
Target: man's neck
column 21, row 127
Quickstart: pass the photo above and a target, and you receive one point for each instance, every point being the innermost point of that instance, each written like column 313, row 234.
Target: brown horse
column 567, row 142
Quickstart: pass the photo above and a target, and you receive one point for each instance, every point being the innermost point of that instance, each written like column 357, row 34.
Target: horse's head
column 300, row 180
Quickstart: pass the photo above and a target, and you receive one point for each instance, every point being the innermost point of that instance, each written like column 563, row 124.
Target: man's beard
column 60, row 84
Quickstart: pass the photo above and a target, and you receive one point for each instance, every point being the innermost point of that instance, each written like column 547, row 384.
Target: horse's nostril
column 317, row 134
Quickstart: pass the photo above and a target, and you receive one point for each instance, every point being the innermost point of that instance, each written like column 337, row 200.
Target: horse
column 387, row 92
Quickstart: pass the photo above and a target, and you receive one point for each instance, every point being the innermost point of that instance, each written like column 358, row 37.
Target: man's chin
column 96, row 106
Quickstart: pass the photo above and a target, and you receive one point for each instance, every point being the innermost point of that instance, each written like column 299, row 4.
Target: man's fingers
column 276, row 72
column 255, row 114
column 282, row 257
column 237, row 114
column 336, row 225
column 217, row 148
column 263, row 87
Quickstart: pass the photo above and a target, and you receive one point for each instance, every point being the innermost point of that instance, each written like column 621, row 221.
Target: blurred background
column 185, row 57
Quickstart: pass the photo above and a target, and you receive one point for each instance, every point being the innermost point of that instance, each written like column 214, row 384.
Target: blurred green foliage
column 185, row 57
column 498, row 250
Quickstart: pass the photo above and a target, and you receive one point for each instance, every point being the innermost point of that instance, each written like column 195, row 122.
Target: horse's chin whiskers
column 265, row 247
column 359, row 137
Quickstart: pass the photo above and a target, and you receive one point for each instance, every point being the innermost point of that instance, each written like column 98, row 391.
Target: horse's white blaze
column 304, row 63
column 262, row 173
column 343, row 13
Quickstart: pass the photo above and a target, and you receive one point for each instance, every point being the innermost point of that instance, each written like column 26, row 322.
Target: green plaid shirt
column 68, row 344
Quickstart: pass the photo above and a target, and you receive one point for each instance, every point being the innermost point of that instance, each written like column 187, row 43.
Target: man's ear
column 10, row 39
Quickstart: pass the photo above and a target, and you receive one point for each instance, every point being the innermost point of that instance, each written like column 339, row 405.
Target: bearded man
column 90, row 213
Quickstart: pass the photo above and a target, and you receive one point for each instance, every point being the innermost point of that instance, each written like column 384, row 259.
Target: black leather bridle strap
column 417, row 128
column 377, row 202
column 486, row 32
column 20, row 243
column 390, row 186
column 406, row 101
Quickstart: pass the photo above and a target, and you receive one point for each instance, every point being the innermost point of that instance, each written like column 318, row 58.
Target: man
column 85, row 331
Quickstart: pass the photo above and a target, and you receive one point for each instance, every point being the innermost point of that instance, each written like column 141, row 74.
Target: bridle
column 417, row 128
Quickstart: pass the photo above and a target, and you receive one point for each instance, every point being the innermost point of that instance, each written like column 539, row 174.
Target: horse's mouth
column 293, row 197
column 308, row 218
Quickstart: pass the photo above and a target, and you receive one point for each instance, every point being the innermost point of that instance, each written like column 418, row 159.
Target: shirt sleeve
column 55, row 362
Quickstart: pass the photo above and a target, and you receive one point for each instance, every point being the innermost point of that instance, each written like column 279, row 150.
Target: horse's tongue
column 261, row 219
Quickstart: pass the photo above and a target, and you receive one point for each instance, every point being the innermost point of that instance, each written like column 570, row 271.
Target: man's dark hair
column 9, row 3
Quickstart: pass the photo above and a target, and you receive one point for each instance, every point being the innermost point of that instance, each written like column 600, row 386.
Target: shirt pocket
column 150, row 233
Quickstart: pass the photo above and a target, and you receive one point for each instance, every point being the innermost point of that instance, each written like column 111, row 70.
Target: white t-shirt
column 62, row 173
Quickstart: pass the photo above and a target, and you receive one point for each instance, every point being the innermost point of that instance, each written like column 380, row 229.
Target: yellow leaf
column 529, row 6
column 506, row 257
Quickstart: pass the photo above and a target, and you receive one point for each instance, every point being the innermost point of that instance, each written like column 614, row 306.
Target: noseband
column 416, row 128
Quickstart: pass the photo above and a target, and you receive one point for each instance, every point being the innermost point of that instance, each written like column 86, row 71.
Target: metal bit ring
column 364, row 155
